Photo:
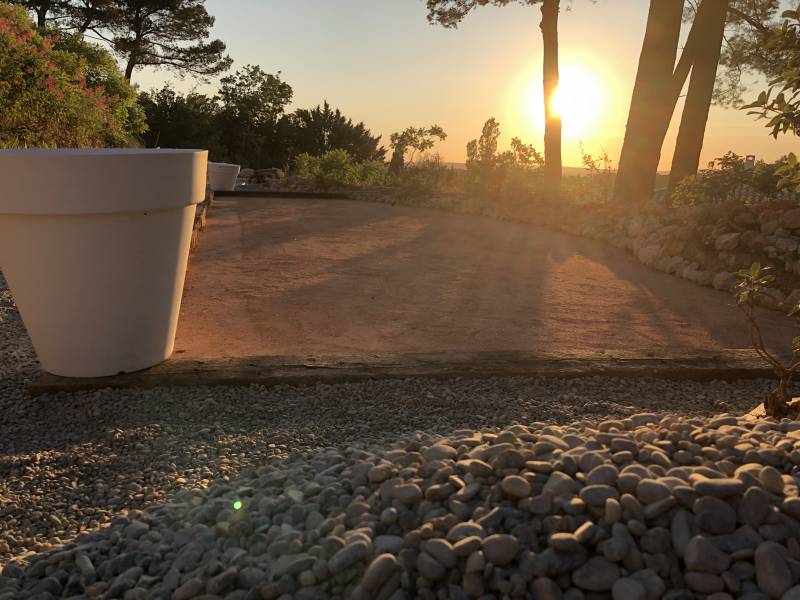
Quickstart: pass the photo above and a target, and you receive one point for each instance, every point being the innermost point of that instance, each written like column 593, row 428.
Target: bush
column 427, row 175
column 337, row 168
column 516, row 171
column 753, row 289
column 60, row 91
column 728, row 178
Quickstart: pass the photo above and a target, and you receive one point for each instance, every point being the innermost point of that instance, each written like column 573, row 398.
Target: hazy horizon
column 380, row 62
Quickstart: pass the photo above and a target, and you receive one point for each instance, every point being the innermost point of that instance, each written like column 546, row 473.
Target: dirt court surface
column 330, row 277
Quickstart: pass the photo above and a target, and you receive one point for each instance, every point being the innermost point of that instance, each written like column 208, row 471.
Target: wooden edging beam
column 293, row 370
column 271, row 194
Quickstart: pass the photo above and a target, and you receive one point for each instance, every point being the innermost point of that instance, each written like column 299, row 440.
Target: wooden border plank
column 296, row 370
column 274, row 194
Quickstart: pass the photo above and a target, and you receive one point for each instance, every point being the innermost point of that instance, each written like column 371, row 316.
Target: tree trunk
column 552, row 121
column 41, row 14
column 130, row 65
column 651, row 106
column 710, row 26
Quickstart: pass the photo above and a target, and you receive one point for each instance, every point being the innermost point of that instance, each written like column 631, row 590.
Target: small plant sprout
column 753, row 287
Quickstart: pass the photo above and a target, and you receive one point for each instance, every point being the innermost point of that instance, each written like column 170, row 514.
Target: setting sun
column 579, row 100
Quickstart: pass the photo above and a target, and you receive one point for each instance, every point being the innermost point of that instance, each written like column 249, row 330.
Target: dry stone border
column 642, row 507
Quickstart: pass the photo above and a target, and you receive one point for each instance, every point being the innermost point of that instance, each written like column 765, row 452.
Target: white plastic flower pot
column 222, row 176
column 94, row 245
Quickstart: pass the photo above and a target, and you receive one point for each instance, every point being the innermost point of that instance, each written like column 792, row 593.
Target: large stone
column 719, row 488
column 702, row 555
column 500, row 549
column 429, row 567
column 602, row 475
column 727, row 241
column 223, row 583
column 649, row 491
column 714, row 516
column 596, row 495
column 439, row 452
column 754, row 507
column 596, row 575
column 408, row 493
column 544, row 588
column 791, row 219
column 459, row 531
column 772, row 572
column 705, row 583
column 559, row 484
column 628, row 589
column 442, row 551
column 516, row 486
column 379, row 571
column 348, row 556
column 724, row 281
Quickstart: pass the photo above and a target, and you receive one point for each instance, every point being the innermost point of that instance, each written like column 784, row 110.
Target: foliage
column 182, row 121
column 744, row 54
column 158, row 33
column 60, row 91
column 337, row 168
column 753, row 289
column 780, row 102
column 252, row 103
column 598, row 184
column 427, row 175
column 415, row 139
column 164, row 34
column 516, row 170
column 725, row 176
column 245, row 123
column 318, row 130
column 102, row 73
column 450, row 12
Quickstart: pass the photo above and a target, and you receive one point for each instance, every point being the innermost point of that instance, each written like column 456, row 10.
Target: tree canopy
column 321, row 129
column 246, row 123
column 60, row 90
column 172, row 34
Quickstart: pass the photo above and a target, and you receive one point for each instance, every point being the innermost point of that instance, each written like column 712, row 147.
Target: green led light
column 237, row 505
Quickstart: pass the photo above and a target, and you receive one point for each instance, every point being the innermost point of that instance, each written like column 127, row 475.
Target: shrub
column 337, row 168
column 60, row 91
column 753, row 289
column 728, row 177
column 515, row 171
column 427, row 175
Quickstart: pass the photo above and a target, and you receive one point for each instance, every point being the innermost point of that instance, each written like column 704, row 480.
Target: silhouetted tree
column 316, row 131
column 44, row 10
column 252, row 103
column 450, row 12
column 163, row 33
column 710, row 22
column 651, row 102
column 182, row 121
column 158, row 33
column 415, row 139
column 659, row 81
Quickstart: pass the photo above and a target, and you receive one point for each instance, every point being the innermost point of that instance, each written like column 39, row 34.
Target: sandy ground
column 327, row 277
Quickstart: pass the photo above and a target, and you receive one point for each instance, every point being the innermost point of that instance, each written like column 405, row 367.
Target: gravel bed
column 637, row 508
column 135, row 483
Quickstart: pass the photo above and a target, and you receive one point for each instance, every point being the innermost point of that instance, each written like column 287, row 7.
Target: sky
column 382, row 63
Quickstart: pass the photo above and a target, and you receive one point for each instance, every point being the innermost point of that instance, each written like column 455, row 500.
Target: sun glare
column 579, row 100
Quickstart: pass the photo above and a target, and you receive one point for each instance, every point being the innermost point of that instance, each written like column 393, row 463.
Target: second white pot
column 222, row 176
